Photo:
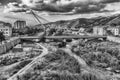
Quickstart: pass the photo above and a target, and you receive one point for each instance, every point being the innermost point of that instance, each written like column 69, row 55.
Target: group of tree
column 98, row 54
column 2, row 37
column 27, row 30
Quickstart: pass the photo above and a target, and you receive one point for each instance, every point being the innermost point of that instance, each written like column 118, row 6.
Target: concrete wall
column 113, row 39
column 10, row 44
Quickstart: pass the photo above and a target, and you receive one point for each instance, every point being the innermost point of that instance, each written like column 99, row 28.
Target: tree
column 51, row 31
column 109, row 32
column 2, row 37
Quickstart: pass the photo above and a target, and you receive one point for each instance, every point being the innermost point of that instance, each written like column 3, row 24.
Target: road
column 27, row 67
column 74, row 37
column 63, row 37
column 80, row 60
column 84, row 66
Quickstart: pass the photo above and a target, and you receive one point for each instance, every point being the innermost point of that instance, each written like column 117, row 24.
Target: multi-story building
column 6, row 29
column 81, row 29
column 46, row 1
column 99, row 30
column 114, row 30
column 19, row 24
column 75, row 31
column 74, row 24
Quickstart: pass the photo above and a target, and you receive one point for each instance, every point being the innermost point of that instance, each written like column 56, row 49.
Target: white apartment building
column 114, row 30
column 74, row 31
column 81, row 29
column 99, row 30
column 6, row 29
column 19, row 24
column 46, row 1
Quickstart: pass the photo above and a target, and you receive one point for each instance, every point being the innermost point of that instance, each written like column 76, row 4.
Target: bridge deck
column 30, row 37
column 73, row 37
column 61, row 37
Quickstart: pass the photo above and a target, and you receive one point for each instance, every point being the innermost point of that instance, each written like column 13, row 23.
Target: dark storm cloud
column 79, row 6
column 74, row 6
column 14, row 7
column 4, row 2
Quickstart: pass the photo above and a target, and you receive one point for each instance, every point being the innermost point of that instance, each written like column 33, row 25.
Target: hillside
column 1, row 22
column 84, row 22
column 61, row 65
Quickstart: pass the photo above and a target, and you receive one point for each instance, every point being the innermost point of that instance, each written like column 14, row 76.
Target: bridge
column 31, row 37
column 62, row 37
column 38, row 36
column 73, row 37
column 42, row 35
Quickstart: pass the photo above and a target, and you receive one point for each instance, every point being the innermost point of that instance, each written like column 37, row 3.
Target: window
column 6, row 29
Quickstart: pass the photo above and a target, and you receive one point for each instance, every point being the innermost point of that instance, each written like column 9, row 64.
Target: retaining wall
column 113, row 39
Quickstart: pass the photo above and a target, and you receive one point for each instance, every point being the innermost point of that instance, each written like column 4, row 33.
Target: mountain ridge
column 113, row 20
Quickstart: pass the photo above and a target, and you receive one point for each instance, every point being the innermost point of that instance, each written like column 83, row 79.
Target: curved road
column 80, row 60
column 23, row 70
column 83, row 64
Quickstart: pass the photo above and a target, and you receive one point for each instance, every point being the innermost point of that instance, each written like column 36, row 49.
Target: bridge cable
column 42, row 18
column 38, row 20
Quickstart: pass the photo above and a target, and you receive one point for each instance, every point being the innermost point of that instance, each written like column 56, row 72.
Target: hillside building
column 75, row 31
column 19, row 24
column 106, row 30
column 74, row 24
column 6, row 29
column 46, row 1
column 81, row 29
column 114, row 30
column 99, row 30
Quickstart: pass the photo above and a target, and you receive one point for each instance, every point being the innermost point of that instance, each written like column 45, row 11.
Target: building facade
column 19, row 24
column 99, row 30
column 114, row 30
column 46, row 1
column 6, row 29
column 75, row 31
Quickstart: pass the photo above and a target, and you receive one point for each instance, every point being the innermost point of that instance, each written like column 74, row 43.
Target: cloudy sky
column 53, row 10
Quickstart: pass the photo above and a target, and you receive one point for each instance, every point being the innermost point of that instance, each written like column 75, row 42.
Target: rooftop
column 20, row 21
